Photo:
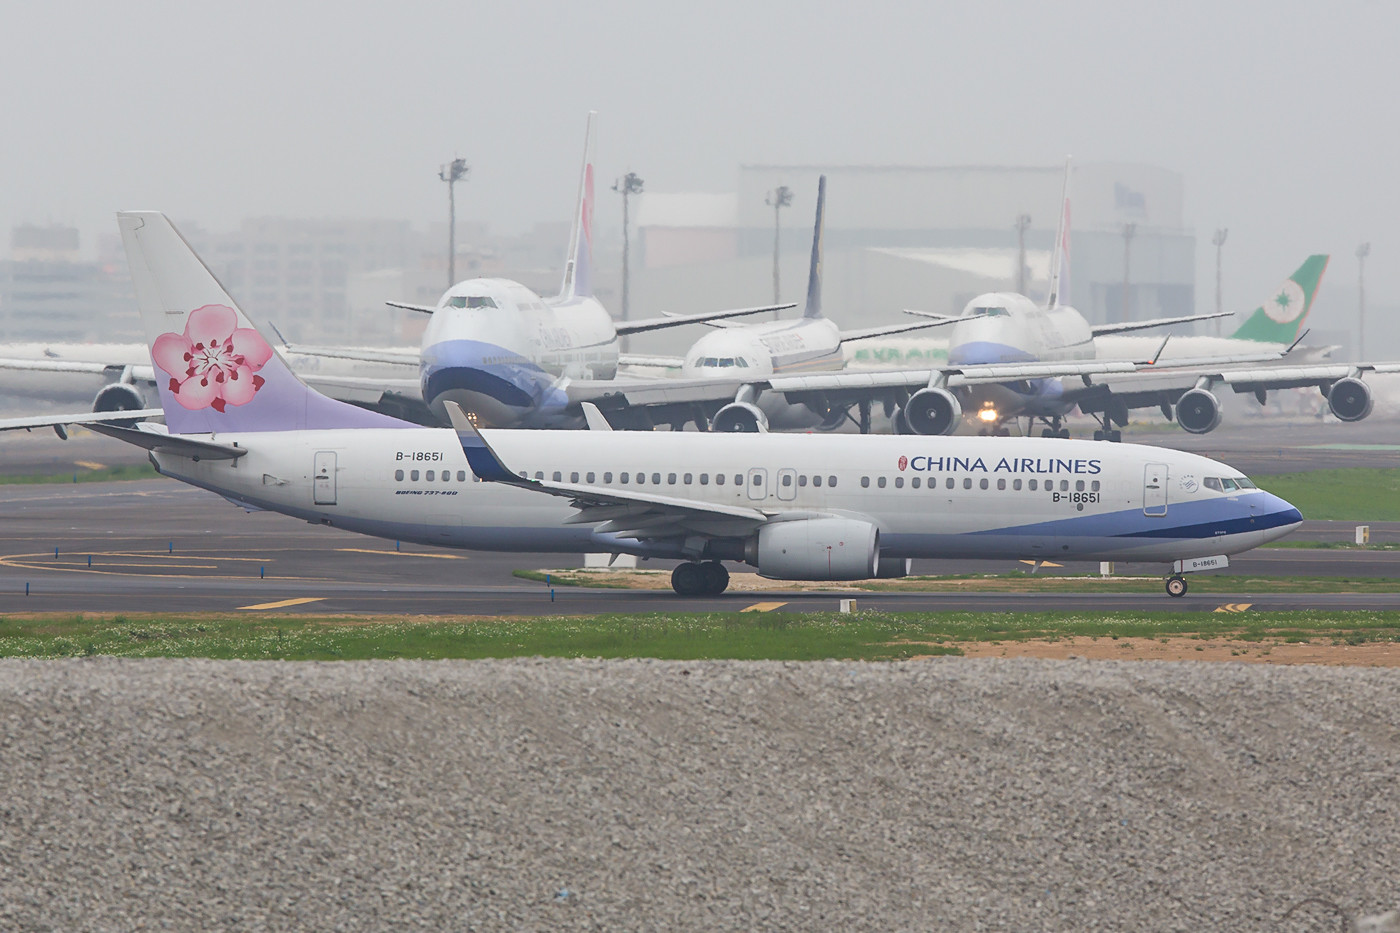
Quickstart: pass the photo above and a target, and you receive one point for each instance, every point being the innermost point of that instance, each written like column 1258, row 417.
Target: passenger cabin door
column 323, row 480
column 758, row 484
column 1154, row 490
column 787, row 485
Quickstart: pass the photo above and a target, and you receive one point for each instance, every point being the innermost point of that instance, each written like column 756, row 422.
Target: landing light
column 987, row 414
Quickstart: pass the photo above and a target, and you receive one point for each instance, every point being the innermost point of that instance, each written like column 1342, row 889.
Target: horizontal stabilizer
column 177, row 444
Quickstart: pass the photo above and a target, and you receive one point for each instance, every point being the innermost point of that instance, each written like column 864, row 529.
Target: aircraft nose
column 1278, row 516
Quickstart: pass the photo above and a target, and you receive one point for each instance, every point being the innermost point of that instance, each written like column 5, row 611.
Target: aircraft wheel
column 1046, row 432
column 1115, row 436
column 1176, row 586
column 1098, row 435
column 688, row 579
column 716, row 577
column 1063, row 433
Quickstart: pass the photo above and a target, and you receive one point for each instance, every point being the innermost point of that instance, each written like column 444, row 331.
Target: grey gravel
column 544, row 794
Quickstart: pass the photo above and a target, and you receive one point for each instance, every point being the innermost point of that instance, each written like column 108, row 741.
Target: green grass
column 81, row 475
column 1359, row 494
column 870, row 636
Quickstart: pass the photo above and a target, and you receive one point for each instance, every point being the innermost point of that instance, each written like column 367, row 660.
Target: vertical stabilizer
column 1280, row 319
column 1059, row 263
column 213, row 370
column 814, row 273
column 578, row 269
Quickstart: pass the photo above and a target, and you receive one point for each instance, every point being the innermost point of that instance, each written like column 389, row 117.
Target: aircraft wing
column 392, row 357
column 888, row 330
column 632, row 359
column 143, row 373
column 674, row 320
column 90, row 418
column 621, row 512
column 1100, row 329
column 1151, row 388
column 421, row 309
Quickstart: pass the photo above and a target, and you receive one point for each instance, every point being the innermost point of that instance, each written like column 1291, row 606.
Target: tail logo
column 1287, row 304
column 903, row 464
column 214, row 362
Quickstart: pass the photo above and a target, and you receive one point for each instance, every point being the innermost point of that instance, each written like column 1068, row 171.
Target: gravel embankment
column 950, row 794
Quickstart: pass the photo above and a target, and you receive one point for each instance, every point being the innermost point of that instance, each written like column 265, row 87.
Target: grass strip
column 871, row 636
column 1355, row 494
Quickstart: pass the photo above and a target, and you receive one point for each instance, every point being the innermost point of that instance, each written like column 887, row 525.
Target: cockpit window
column 1246, row 483
column 1213, row 483
column 995, row 311
column 1229, row 484
column 471, row 301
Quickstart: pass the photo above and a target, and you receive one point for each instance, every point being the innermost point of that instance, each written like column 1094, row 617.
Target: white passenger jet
column 797, row 507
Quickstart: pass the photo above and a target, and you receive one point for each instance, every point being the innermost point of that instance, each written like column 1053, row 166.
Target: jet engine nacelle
column 1349, row 399
column 1198, row 411
column 889, row 568
column 740, row 417
column 816, row 549
column 119, row 396
column 933, row 411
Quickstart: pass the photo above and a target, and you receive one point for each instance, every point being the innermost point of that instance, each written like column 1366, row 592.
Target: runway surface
column 157, row 545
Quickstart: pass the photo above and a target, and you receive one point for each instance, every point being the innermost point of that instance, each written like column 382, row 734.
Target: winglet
column 1158, row 355
column 1059, row 265
column 594, row 417
column 578, row 268
column 482, row 459
column 814, row 273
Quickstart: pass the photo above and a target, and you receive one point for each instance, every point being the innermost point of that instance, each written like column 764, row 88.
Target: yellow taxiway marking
column 1234, row 607
column 763, row 607
column 367, row 550
column 1042, row 563
column 283, row 604
column 90, row 465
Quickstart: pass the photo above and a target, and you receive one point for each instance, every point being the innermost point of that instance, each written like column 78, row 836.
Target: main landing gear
column 1056, row 428
column 1176, row 585
column 694, row 579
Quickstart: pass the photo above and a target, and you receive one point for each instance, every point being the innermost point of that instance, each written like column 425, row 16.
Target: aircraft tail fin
column 1059, row 263
column 214, row 371
column 1280, row 319
column 578, row 268
column 814, row 273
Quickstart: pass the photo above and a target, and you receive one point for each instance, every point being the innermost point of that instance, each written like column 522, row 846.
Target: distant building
column 48, row 293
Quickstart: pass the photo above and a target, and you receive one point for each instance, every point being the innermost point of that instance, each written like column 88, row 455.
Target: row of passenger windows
column 951, row 483
column 1225, row 484
column 432, row 476
column 685, row 479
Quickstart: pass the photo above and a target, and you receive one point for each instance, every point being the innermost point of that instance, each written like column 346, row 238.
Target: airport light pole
column 1129, row 230
column 1362, row 252
column 1022, row 222
column 452, row 173
column 1218, row 241
column 777, row 199
column 626, row 186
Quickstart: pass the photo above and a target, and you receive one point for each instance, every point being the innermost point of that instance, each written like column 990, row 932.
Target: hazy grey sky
column 1278, row 114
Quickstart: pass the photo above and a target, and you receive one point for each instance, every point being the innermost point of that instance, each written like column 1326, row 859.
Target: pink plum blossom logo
column 213, row 363
column 903, row 463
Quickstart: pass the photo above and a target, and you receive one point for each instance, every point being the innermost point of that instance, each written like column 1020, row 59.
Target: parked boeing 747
column 796, row 507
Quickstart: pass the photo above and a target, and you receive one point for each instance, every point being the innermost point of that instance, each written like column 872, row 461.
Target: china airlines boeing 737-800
column 798, row 507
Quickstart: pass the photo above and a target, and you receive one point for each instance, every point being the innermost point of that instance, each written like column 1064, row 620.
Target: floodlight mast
column 626, row 186
column 1218, row 241
column 452, row 173
column 1362, row 252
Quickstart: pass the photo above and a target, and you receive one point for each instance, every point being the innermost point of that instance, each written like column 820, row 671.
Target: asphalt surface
column 157, row 545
